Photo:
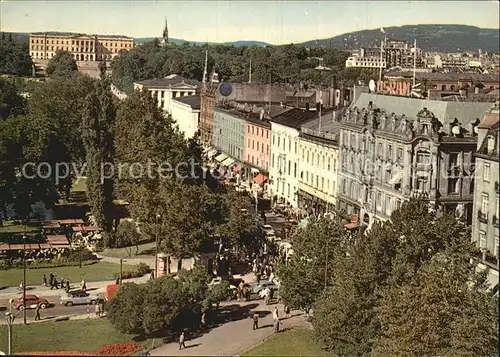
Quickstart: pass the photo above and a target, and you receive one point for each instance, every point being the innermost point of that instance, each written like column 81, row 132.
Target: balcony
column 495, row 221
column 482, row 217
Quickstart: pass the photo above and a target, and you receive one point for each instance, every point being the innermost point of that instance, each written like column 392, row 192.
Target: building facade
column 43, row 45
column 208, row 92
column 284, row 170
column 318, row 161
column 258, row 142
column 228, row 132
column 167, row 89
column 365, row 62
column 485, row 227
column 186, row 113
column 395, row 148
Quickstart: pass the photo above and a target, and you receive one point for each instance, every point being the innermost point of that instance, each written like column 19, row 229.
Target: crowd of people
column 54, row 283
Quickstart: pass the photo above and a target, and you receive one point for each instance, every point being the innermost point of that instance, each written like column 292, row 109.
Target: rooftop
column 192, row 100
column 295, row 118
column 168, row 82
column 69, row 34
column 446, row 112
column 475, row 77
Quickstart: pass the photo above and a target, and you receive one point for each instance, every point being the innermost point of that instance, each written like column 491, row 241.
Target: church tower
column 164, row 40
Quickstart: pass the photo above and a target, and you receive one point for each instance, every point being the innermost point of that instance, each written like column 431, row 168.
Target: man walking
column 276, row 320
column 181, row 341
column 255, row 321
column 37, row 312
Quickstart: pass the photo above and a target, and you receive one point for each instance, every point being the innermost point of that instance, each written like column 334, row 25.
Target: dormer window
column 491, row 144
column 425, row 129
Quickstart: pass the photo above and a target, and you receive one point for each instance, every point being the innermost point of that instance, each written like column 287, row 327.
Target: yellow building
column 43, row 45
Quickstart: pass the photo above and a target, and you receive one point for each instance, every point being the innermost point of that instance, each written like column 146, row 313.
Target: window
column 423, row 158
column 284, row 143
column 388, row 207
column 379, row 201
column 248, row 129
column 323, row 162
column 453, row 186
column 289, row 167
column 248, row 142
column 398, row 204
column 279, row 141
column 272, row 160
column 295, row 147
column 267, row 149
column 491, row 144
column 421, row 184
column 484, row 203
column 453, row 159
column 486, row 173
column 322, row 184
column 379, row 149
column 317, row 181
column 495, row 248
column 294, row 169
column 328, row 167
column 273, row 139
column 389, row 152
column 288, row 190
column 482, row 239
column 290, row 145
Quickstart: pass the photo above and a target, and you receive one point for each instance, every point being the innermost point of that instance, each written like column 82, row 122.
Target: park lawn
column 295, row 342
column 145, row 250
column 9, row 226
column 75, row 274
column 72, row 335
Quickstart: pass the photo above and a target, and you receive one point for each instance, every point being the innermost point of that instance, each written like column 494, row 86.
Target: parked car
column 79, row 297
column 32, row 301
column 263, row 284
column 268, row 229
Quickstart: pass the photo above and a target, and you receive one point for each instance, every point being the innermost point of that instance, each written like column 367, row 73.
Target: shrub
column 139, row 270
column 118, row 349
column 57, row 353
column 142, row 268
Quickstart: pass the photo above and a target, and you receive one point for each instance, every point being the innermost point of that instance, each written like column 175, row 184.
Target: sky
column 275, row 22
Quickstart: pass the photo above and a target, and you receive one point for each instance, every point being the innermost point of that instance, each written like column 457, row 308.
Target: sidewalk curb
column 56, row 319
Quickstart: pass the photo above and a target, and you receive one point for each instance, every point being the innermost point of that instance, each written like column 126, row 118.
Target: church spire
column 164, row 40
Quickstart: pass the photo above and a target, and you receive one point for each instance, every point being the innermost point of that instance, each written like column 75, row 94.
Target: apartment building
column 186, row 114
column 485, row 226
column 395, row 148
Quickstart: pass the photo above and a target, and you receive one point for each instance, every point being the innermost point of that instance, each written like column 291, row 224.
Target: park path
column 129, row 261
column 98, row 287
column 234, row 337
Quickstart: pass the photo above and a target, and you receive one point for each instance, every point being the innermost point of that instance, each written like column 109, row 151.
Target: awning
column 351, row 225
column 259, row 179
column 221, row 157
column 237, row 168
column 211, row 152
column 228, row 162
column 396, row 178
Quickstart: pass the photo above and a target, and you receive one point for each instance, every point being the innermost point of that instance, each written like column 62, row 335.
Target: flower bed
column 114, row 349
column 118, row 349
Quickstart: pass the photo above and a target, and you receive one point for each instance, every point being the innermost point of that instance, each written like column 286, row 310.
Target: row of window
column 255, row 130
column 259, row 163
column 86, row 43
column 283, row 143
column 360, row 143
column 319, row 159
column 258, row 146
column 290, row 190
column 485, row 201
column 284, row 166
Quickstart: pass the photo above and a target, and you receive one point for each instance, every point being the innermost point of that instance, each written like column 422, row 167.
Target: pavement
column 234, row 337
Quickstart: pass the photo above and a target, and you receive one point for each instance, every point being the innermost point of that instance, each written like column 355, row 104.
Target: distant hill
column 431, row 38
column 180, row 41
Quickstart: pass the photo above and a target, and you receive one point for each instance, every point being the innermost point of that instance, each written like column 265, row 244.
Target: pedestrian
column 67, row 286
column 276, row 326
column 97, row 310
column 37, row 312
column 255, row 318
column 117, row 282
column 182, row 343
column 51, row 279
column 44, row 280
column 203, row 318
column 287, row 311
column 275, row 313
column 56, row 284
column 21, row 285
column 84, row 285
column 62, row 283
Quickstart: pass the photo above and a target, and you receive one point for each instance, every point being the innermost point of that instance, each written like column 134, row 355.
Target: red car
column 31, row 300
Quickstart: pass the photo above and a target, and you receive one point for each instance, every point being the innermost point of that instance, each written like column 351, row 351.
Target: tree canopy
column 270, row 64
column 62, row 64
column 15, row 57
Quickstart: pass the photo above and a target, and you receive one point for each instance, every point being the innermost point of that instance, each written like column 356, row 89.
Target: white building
column 167, row 89
column 365, row 62
column 186, row 113
column 319, row 154
column 284, row 169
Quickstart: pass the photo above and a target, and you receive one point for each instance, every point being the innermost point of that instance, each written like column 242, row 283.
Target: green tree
column 11, row 103
column 445, row 310
column 317, row 250
column 126, row 309
column 15, row 58
column 62, row 64
column 126, row 235
column 218, row 293
column 98, row 120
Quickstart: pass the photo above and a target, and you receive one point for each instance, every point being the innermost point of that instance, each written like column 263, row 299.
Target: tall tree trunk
column 179, row 264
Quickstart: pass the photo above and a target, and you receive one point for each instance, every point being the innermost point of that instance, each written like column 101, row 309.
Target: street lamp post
column 10, row 320
column 157, row 218
column 121, row 269
column 24, row 278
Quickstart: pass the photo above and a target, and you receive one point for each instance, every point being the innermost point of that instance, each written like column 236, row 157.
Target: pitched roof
column 476, row 77
column 170, row 81
column 294, row 118
column 192, row 100
column 446, row 112
column 489, row 121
